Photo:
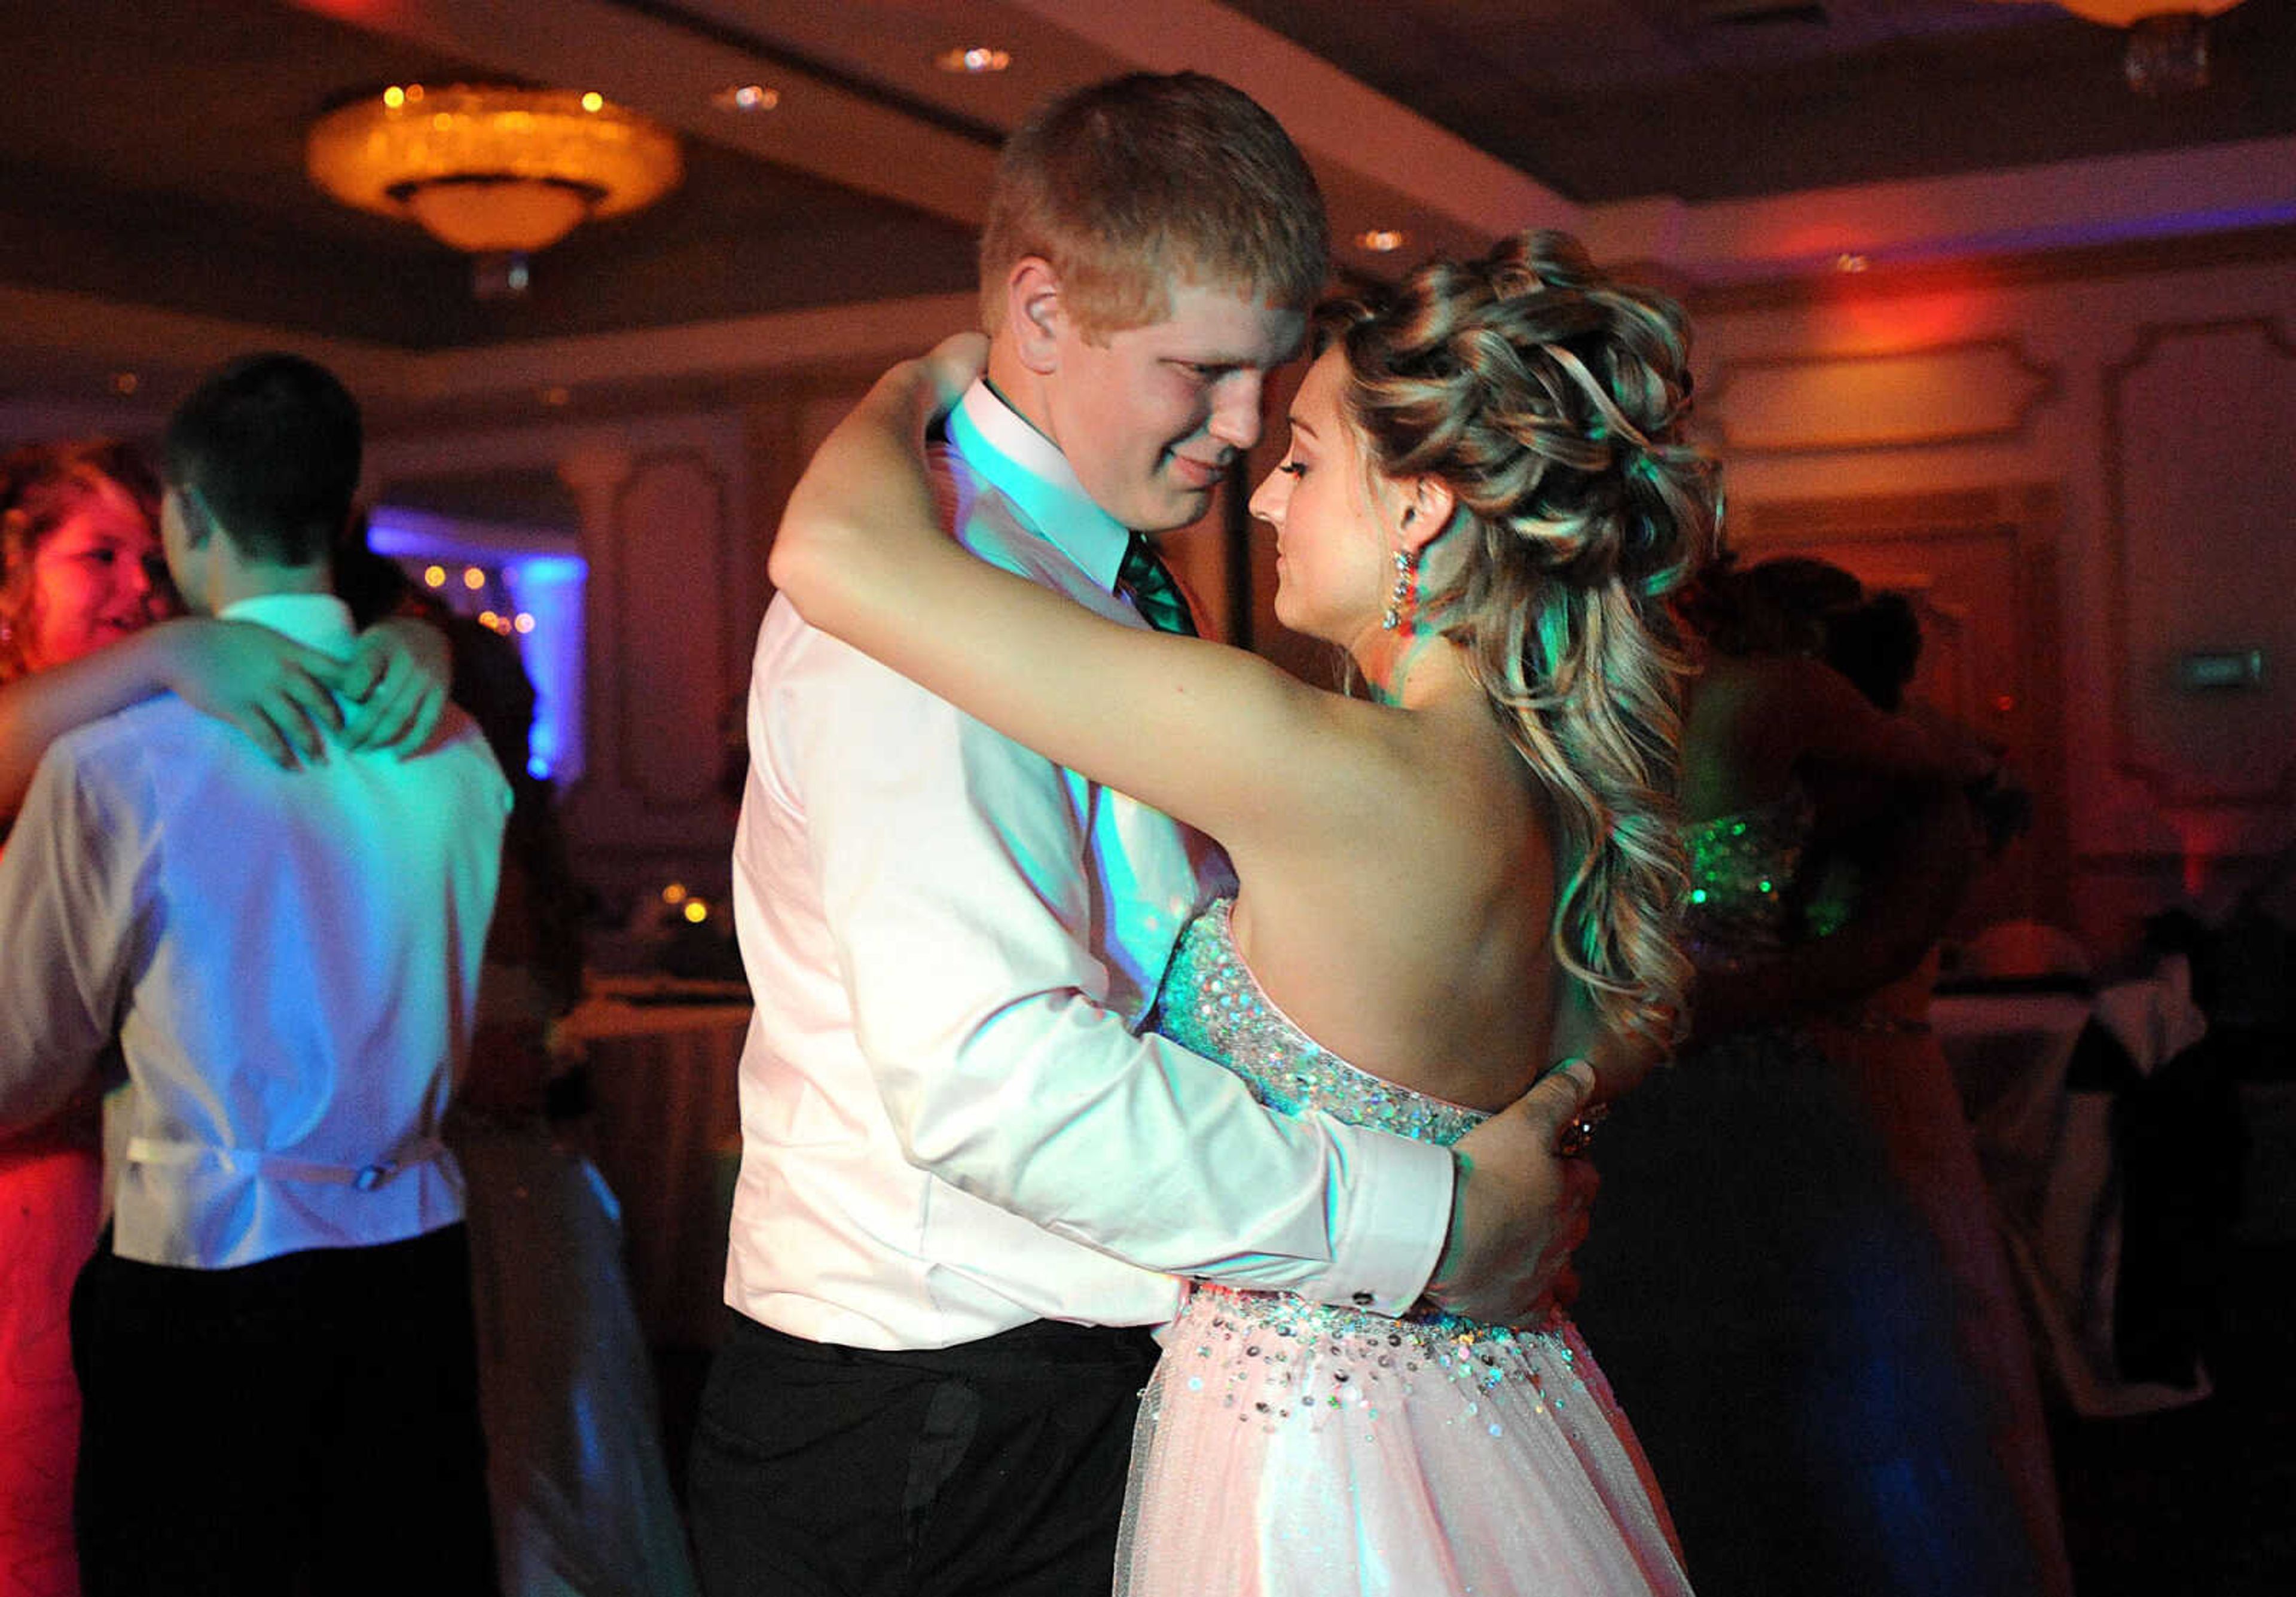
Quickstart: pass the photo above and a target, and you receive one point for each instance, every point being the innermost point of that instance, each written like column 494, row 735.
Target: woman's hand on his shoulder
column 865, row 497
column 269, row 686
column 397, row 680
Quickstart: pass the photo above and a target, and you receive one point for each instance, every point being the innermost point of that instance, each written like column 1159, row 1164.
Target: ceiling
column 154, row 214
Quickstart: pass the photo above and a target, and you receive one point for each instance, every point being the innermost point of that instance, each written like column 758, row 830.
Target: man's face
column 1153, row 417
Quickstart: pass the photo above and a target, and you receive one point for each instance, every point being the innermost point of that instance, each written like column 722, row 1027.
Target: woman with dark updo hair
column 1464, row 881
column 1788, row 1279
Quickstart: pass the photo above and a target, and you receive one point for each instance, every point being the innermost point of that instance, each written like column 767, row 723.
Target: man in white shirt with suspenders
column 274, row 1340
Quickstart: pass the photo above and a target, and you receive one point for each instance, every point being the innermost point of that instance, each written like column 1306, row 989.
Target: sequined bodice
column 1278, row 1358
column 1212, row 1004
column 1741, row 869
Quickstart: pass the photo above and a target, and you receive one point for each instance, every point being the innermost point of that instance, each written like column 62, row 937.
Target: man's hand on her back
column 1519, row 1211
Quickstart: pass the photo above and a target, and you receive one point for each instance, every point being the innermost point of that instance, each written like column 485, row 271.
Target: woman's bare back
column 1420, row 948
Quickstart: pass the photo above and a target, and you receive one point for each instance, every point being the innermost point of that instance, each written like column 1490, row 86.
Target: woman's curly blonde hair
column 1551, row 402
column 41, row 486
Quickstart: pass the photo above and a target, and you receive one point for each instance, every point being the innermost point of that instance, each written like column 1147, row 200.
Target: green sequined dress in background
column 1770, row 1307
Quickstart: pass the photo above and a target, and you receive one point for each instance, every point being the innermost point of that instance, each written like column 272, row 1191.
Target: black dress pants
column 308, row 1424
column 992, row 1470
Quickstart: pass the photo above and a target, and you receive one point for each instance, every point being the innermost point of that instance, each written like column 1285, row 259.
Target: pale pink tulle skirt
column 1290, row 1451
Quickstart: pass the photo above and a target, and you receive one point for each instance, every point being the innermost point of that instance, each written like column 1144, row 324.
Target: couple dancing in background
column 1026, row 1057
column 90, row 625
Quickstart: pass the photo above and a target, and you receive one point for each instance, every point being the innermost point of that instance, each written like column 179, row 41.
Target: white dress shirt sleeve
column 964, row 942
column 67, row 885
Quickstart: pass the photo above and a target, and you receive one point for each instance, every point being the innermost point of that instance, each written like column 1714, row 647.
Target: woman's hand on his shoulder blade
column 396, row 680
column 262, row 682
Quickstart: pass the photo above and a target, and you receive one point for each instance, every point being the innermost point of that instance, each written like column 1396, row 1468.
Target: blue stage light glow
column 544, row 583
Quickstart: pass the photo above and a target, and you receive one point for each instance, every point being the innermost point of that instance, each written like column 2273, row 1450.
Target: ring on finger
column 1577, row 1133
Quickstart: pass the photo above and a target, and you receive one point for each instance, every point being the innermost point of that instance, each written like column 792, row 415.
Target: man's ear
column 1035, row 313
column 198, row 520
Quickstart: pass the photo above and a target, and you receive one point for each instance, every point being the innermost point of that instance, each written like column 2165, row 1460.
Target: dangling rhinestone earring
column 1405, row 595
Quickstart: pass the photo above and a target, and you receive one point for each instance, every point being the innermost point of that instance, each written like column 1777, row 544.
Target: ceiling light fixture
column 1381, row 240
column 2168, row 49
column 488, row 170
column 746, row 97
column 978, row 58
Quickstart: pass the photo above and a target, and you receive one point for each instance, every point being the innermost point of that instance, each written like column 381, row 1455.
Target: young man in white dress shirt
column 274, row 1340
column 967, row 1186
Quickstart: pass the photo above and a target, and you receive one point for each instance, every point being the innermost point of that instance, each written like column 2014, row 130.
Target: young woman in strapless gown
column 1443, row 888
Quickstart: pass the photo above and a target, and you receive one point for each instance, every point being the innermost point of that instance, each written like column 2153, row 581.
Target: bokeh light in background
column 532, row 596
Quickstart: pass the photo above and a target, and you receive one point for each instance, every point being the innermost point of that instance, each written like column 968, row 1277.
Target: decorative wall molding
column 2155, row 859
column 1978, row 391
column 666, row 754
column 2033, row 508
column 2267, row 244
column 2132, row 657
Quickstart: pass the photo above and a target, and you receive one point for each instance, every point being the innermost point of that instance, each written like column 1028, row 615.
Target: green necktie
column 1154, row 595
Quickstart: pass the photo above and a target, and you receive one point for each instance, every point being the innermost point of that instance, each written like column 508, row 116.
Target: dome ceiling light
column 491, row 170
column 2168, row 49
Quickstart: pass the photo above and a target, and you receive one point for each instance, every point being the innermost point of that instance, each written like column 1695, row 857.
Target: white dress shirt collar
column 1029, row 469
column 319, row 621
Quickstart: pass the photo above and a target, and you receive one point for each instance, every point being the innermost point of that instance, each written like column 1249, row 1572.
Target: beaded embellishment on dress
column 1742, row 871
column 1213, row 1004
column 1290, row 1448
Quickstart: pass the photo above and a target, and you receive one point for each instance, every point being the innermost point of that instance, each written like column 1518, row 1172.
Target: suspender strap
column 279, row 1167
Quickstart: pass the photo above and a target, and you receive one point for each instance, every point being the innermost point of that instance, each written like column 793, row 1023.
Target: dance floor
column 2198, row 1502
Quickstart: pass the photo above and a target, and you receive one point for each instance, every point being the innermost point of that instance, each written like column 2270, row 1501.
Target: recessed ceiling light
column 556, row 396
column 126, row 382
column 1848, row 261
column 978, row 58
column 746, row 97
column 1381, row 240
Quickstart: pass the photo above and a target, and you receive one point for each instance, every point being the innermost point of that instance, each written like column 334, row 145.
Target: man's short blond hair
column 1133, row 185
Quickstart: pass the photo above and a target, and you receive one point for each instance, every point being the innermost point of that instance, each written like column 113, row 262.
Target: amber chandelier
column 2167, row 51
column 494, row 171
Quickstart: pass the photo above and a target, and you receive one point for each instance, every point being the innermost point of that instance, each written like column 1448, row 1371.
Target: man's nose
column 1235, row 411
